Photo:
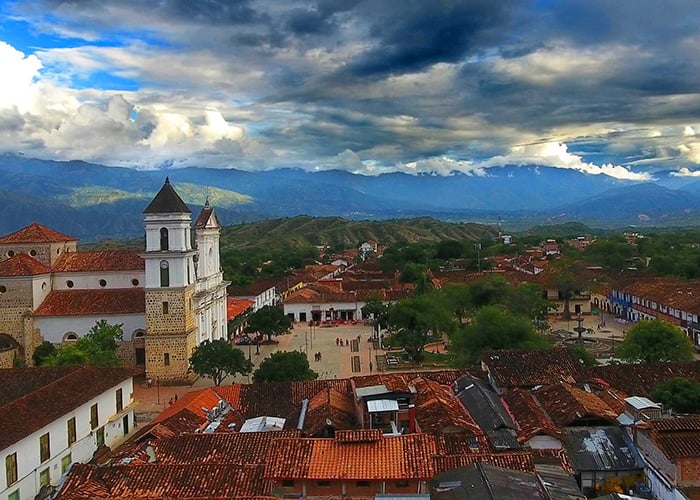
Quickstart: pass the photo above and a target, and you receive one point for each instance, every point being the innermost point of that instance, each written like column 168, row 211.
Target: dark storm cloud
column 412, row 35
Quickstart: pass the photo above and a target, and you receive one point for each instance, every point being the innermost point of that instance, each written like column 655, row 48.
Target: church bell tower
column 171, row 332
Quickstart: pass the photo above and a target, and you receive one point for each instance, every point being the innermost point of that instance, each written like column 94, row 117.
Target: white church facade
column 169, row 298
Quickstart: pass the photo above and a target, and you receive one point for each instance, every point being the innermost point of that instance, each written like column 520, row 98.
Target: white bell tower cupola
column 169, row 256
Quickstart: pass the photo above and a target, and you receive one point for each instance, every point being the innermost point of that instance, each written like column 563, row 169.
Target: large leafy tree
column 654, row 341
column 529, row 301
column 418, row 320
column 567, row 276
column 493, row 328
column 375, row 308
column 98, row 347
column 268, row 320
column 679, row 394
column 217, row 360
column 284, row 367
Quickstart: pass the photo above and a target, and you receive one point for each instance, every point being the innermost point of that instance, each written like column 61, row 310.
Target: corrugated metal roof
column 372, row 390
column 382, row 405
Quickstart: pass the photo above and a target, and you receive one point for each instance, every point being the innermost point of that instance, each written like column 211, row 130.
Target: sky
column 606, row 87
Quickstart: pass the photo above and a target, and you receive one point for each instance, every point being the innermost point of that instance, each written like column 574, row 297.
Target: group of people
column 173, row 400
column 344, row 342
column 318, row 356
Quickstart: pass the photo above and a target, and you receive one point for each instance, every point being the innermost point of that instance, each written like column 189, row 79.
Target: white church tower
column 210, row 294
column 171, row 331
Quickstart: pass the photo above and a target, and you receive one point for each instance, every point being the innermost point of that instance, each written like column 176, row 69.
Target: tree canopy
column 418, row 320
column 284, row 367
column 493, row 328
column 98, row 347
column 217, row 360
column 375, row 308
column 679, row 394
column 655, row 341
column 268, row 320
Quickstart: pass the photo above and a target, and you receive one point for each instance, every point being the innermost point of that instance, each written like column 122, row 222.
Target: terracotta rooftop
column 93, row 302
column 257, row 287
column 329, row 405
column 672, row 292
column 438, row 410
column 236, row 307
column 35, row 233
column 515, row 460
column 160, row 481
column 640, row 379
column 567, row 404
column 31, row 398
column 531, row 418
column 108, row 260
column 401, row 457
column 677, row 437
column 401, row 382
column 22, row 265
column 206, row 218
column 510, row 369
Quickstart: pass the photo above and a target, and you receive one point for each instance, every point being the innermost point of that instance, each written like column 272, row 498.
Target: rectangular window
column 94, row 417
column 14, row 495
column 362, row 484
column 44, row 447
column 324, row 484
column 100, row 436
column 287, row 483
column 65, row 463
column 11, row 469
column 166, row 359
column 402, row 484
column 120, row 401
column 44, row 477
column 70, row 425
column 166, row 307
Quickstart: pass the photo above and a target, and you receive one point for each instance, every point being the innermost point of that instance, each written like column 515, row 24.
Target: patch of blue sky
column 106, row 81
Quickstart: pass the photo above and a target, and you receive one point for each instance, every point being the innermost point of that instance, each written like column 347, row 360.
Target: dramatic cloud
column 606, row 88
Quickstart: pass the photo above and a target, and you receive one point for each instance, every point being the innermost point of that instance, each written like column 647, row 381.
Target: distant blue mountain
column 37, row 190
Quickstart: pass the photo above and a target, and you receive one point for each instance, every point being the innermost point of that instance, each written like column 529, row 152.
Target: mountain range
column 92, row 201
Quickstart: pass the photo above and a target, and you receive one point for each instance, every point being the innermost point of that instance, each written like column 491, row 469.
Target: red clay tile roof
column 106, row 260
column 533, row 368
column 677, row 437
column 640, row 379
column 235, row 307
column 567, row 404
column 204, row 216
column 528, row 414
column 515, row 460
column 329, row 404
column 401, row 382
column 93, row 302
column 34, row 397
column 159, row 481
column 438, row 410
column 22, row 265
column 407, row 456
column 242, row 448
column 35, row 233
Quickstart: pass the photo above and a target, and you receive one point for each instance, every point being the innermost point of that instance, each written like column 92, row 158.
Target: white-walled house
column 263, row 292
column 52, row 417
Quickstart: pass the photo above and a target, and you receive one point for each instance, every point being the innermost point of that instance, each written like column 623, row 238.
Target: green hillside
column 338, row 232
column 86, row 196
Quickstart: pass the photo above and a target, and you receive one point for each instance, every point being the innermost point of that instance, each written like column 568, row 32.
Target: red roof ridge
column 36, row 233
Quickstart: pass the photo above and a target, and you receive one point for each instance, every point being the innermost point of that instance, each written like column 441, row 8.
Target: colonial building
column 168, row 299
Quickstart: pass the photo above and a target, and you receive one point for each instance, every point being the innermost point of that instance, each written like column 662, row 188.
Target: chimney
column 412, row 418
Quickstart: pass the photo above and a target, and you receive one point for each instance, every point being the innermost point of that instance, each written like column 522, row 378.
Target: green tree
column 217, row 360
column 44, row 351
column 457, row 298
column 268, row 320
column 679, row 394
column 583, row 355
column 375, row 308
column 418, row 320
column 529, row 300
column 98, row 347
column 655, row 341
column 493, row 328
column 284, row 367
column 565, row 274
column 449, row 249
